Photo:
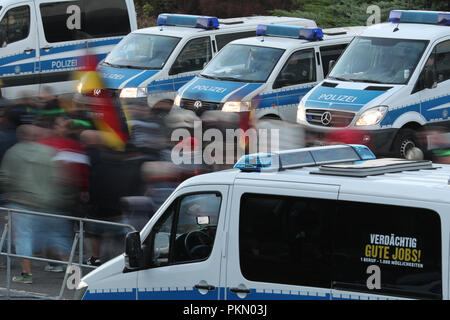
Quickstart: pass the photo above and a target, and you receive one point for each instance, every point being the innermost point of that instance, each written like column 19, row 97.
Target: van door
column 435, row 101
column 70, row 28
column 279, row 245
column 185, row 247
column 295, row 79
column 19, row 68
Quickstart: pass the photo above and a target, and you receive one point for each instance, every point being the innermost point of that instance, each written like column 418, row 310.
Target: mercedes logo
column 198, row 104
column 97, row 92
column 326, row 118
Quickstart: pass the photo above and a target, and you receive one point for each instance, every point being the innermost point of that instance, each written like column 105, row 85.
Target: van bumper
column 379, row 140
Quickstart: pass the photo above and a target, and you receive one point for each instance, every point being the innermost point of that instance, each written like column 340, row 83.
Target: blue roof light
column 185, row 20
column 289, row 32
column 276, row 161
column 412, row 16
column 257, row 162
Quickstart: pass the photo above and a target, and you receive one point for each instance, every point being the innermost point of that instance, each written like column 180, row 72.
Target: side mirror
column 134, row 256
column 429, row 79
column 330, row 65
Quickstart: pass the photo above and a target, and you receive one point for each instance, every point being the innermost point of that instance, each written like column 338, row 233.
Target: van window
column 285, row 240
column 195, row 54
column 186, row 231
column 300, row 68
column 404, row 242
column 15, row 25
column 78, row 20
column 329, row 53
column 223, row 39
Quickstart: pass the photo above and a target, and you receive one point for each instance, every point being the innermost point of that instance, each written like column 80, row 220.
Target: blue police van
column 151, row 64
column 266, row 74
column 392, row 82
column 41, row 41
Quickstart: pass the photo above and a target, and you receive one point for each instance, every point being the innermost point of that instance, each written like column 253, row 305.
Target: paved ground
column 47, row 285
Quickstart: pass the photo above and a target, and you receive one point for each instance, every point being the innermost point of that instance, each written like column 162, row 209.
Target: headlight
column 236, row 106
column 177, row 101
column 372, row 116
column 133, row 93
column 80, row 291
column 301, row 116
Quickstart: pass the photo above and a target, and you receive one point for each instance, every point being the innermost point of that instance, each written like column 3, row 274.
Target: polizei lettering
column 336, row 97
column 209, row 88
column 64, row 64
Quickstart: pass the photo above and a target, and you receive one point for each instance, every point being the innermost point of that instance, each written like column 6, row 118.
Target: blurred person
column 438, row 142
column 71, row 159
column 30, row 179
column 112, row 175
column 9, row 121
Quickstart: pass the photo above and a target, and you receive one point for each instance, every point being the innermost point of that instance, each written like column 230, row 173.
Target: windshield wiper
column 367, row 81
column 341, row 79
column 208, row 77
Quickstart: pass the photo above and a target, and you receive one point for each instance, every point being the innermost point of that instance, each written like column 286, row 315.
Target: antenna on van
column 396, row 28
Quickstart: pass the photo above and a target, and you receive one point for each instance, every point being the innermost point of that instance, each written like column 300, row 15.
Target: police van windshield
column 142, row 51
column 243, row 63
column 379, row 60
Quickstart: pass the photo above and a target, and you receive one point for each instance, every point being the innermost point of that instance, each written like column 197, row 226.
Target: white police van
column 324, row 223
column 267, row 74
column 151, row 64
column 41, row 40
column 392, row 81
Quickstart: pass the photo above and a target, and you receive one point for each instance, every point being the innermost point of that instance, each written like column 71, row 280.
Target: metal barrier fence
column 78, row 239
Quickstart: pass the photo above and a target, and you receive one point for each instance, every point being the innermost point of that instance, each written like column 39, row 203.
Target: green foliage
column 330, row 13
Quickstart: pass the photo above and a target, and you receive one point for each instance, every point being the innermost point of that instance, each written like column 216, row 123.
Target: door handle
column 29, row 50
column 205, row 287
column 47, row 48
column 240, row 290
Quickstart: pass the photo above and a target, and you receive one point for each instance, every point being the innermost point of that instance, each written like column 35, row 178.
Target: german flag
column 107, row 114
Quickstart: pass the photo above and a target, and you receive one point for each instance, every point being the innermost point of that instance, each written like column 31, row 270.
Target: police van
column 151, row 64
column 391, row 82
column 267, row 74
column 41, row 40
column 321, row 223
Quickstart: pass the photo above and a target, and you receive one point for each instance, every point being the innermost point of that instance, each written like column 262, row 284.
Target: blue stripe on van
column 241, row 93
column 11, row 70
column 143, row 77
column 17, row 57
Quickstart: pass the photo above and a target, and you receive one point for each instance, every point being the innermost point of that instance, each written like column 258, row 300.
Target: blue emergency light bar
column 412, row 16
column 289, row 32
column 276, row 161
column 185, row 20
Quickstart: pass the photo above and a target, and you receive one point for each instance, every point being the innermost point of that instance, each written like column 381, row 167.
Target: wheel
column 405, row 140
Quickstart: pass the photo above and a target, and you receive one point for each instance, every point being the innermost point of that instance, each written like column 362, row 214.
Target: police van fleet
column 267, row 74
column 41, row 41
column 151, row 64
column 392, row 81
column 329, row 222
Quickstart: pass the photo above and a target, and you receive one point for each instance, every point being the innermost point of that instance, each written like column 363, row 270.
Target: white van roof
column 229, row 24
column 429, row 184
column 407, row 31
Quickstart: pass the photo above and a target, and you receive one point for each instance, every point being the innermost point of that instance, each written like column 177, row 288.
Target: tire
column 404, row 141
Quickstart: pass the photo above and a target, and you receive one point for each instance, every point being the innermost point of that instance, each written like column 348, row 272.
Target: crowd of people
column 55, row 160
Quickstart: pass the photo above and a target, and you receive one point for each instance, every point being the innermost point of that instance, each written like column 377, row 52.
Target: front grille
column 189, row 104
column 338, row 118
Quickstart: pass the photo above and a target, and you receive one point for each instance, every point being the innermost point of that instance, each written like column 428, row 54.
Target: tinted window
column 195, row 54
column 223, row 39
column 300, row 68
column 330, row 53
column 15, row 25
column 186, row 231
column 285, row 240
column 405, row 243
column 76, row 20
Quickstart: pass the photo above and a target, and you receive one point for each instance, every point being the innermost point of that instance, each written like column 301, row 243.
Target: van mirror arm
column 134, row 255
